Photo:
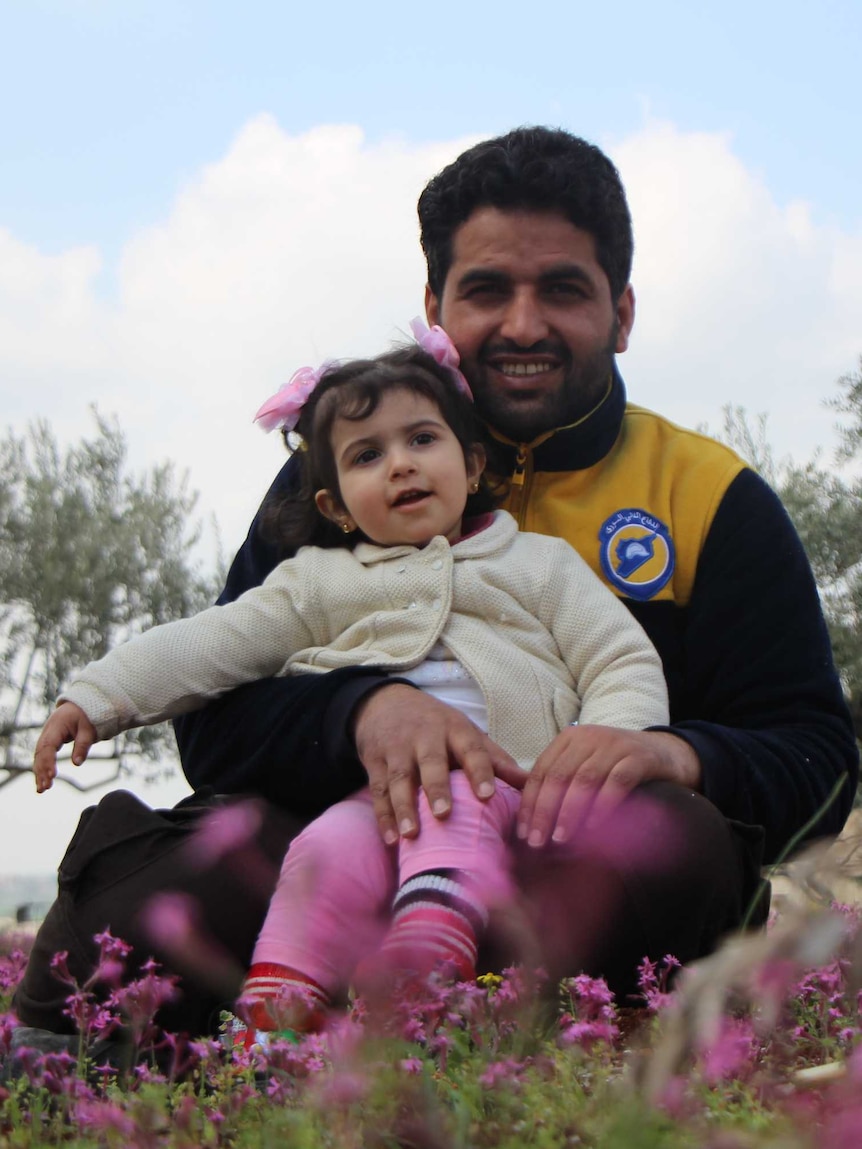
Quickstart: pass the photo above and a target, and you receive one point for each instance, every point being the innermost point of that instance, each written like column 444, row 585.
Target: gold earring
column 474, row 488
column 346, row 527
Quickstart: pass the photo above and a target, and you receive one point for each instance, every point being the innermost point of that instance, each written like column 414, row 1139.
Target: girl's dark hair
column 353, row 390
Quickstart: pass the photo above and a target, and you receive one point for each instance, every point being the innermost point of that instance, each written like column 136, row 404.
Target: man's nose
column 524, row 320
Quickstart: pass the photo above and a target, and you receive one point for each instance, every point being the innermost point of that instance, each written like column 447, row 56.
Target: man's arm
column 759, row 721
column 760, row 701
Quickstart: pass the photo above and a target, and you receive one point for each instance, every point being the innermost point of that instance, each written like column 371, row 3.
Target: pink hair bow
column 282, row 409
column 442, row 350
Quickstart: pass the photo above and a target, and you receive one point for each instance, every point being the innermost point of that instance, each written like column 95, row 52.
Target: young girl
column 404, row 566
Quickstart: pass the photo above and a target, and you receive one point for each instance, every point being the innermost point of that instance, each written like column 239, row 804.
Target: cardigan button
column 437, row 565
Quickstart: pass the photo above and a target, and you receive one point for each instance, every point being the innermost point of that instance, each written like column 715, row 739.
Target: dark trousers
column 673, row 877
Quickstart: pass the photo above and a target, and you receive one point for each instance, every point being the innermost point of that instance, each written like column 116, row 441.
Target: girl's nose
column 401, row 463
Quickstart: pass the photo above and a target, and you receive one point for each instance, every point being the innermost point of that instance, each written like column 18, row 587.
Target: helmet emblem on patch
column 637, row 553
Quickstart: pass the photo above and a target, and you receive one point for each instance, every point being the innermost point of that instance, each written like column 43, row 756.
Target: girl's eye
column 366, row 456
column 424, row 437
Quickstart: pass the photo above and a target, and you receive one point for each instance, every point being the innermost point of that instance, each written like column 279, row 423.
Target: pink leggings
column 331, row 906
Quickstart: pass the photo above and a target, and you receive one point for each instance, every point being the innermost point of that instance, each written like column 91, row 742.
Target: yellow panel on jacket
column 640, row 516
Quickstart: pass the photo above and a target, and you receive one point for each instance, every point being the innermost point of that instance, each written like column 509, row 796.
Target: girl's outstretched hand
column 68, row 723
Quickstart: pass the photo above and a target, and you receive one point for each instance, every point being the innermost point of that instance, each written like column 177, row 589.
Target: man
column 528, row 243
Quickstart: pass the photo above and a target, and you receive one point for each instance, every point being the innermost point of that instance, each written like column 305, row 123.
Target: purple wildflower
column 734, row 1047
column 411, row 1065
column 140, row 1000
column 224, row 831
column 653, row 979
column 105, row 1116
column 593, row 1015
column 12, row 968
column 503, row 1073
column 843, row 1130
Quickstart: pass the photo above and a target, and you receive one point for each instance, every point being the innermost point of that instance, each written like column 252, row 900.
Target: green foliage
column 89, row 555
column 825, row 504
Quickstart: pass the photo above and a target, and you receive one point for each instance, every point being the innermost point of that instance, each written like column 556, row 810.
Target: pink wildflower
column 343, row 1089
column 141, row 999
column 593, row 1014
column 12, row 968
column 8, row 1025
column 59, row 964
column 224, row 831
column 105, row 1116
column 505, row 1074
column 653, row 981
column 733, row 1048
column 843, row 1130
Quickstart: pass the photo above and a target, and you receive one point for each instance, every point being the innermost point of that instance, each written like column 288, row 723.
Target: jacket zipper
column 520, row 481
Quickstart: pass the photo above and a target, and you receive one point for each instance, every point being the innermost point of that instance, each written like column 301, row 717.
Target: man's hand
column 404, row 739
column 68, row 723
column 587, row 771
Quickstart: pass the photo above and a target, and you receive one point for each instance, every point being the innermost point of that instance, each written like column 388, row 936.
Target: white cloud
column 740, row 299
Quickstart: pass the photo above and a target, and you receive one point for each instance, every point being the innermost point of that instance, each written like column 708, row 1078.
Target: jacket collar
column 495, row 537
column 573, row 448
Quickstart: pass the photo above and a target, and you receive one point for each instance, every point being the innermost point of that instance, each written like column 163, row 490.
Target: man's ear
column 331, row 508
column 625, row 318
column 432, row 306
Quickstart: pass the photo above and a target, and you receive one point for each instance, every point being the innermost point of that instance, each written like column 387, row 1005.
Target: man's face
column 530, row 310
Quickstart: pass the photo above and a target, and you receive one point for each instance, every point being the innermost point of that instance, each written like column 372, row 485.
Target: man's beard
column 525, row 417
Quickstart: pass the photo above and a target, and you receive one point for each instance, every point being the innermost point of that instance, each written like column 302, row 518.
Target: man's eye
column 570, row 290
column 485, row 291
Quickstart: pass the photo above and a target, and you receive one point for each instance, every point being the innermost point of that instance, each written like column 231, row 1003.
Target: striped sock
column 435, row 923
column 277, row 997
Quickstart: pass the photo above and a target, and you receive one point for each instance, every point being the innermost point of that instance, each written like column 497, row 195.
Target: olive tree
column 825, row 504
column 90, row 554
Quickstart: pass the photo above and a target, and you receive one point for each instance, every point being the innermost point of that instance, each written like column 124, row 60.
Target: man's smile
column 531, row 368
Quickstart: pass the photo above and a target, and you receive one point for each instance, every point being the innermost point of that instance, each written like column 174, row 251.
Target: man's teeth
column 525, row 368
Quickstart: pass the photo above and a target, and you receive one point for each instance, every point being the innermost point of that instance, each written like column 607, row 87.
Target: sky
column 198, row 197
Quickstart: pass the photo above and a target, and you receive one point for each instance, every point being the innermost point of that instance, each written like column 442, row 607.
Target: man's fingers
column 378, row 786
column 508, row 770
column 402, row 794
column 434, row 779
column 621, row 780
column 541, row 801
column 548, row 760
column 473, row 755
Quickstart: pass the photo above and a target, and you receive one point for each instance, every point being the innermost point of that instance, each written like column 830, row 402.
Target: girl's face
column 402, row 473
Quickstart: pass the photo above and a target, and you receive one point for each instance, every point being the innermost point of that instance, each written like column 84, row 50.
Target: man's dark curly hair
column 530, row 169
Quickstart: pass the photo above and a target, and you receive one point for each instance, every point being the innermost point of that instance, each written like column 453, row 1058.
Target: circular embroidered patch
column 637, row 552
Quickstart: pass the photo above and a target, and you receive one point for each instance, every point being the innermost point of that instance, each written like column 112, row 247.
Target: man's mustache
column 543, row 347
